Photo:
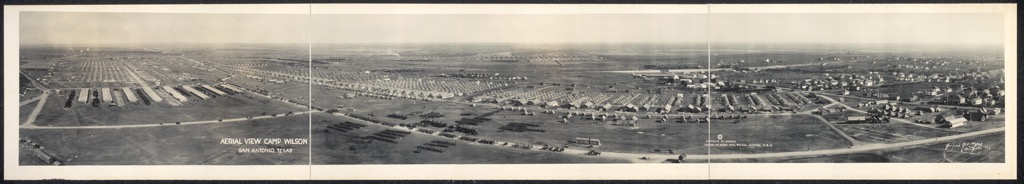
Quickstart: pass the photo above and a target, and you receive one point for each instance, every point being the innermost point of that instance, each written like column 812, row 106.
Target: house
column 551, row 104
column 856, row 119
column 976, row 115
column 913, row 98
column 957, row 122
column 535, row 102
column 517, row 102
column 587, row 105
column 927, row 109
column 976, row 101
column 605, row 107
column 630, row 107
column 587, row 141
column 952, row 120
column 666, row 109
column 958, row 99
column 573, row 105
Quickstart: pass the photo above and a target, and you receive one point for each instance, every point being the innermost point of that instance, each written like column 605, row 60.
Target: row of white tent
column 106, row 94
column 405, row 93
column 436, row 85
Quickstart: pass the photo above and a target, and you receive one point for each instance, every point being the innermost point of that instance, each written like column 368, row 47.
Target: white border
column 506, row 9
column 517, row 171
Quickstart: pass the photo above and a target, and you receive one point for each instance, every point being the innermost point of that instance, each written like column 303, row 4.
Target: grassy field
column 647, row 136
column 844, row 158
column 787, row 133
column 27, row 157
column 890, row 132
column 173, row 145
column 784, row 132
column 992, row 150
column 678, row 136
column 25, row 110
column 350, row 148
column 228, row 106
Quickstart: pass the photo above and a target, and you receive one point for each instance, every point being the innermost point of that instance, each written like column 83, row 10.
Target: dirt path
column 35, row 112
column 901, row 120
column 657, row 158
column 836, row 129
column 30, row 100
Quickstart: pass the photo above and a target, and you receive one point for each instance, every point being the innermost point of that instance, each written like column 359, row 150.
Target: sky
column 142, row 28
column 128, row 28
column 918, row 28
column 511, row 28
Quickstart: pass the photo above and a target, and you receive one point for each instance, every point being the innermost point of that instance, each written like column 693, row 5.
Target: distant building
column 995, row 111
column 913, row 98
column 605, row 107
column 976, row 115
column 957, row 122
column 856, row 119
column 976, row 101
column 958, row 99
column 952, row 120
column 552, row 104
column 587, row 141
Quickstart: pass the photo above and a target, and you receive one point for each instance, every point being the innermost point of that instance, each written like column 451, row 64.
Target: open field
column 677, row 136
column 173, row 145
column 644, row 138
column 25, row 110
column 891, row 132
column 351, row 147
column 229, row 106
column 983, row 149
column 783, row 132
column 989, row 151
column 980, row 149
